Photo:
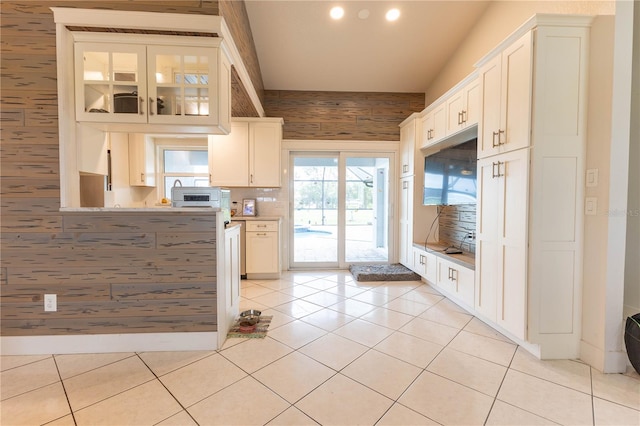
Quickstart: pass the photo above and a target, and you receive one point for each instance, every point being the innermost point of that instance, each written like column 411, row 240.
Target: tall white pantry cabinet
column 531, row 148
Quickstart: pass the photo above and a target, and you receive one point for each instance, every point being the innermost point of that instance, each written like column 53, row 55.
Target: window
column 188, row 165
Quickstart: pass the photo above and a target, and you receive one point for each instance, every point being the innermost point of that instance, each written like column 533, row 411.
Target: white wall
column 501, row 19
column 632, row 269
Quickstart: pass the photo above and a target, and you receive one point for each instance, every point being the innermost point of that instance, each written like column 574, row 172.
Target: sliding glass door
column 340, row 209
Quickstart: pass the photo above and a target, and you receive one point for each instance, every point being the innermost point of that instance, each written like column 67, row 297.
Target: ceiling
column 301, row 48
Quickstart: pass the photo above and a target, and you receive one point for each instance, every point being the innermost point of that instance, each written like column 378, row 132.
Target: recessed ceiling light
column 337, row 12
column 393, row 14
column 363, row 14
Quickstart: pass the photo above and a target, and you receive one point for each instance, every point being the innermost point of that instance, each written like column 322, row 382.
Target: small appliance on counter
column 202, row 196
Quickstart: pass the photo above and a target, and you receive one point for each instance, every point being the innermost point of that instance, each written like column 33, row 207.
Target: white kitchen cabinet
column 408, row 133
column 142, row 160
column 506, row 82
column 406, row 221
column 501, row 271
column 456, row 281
column 434, row 125
column 463, row 107
column 425, row 264
column 92, row 146
column 530, row 215
column 249, row 156
column 229, row 285
column 263, row 249
column 122, row 80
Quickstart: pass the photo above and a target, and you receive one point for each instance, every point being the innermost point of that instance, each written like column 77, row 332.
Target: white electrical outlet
column 50, row 303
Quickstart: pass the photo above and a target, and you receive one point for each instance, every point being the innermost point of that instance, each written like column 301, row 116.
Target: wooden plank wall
column 113, row 273
column 235, row 15
column 366, row 116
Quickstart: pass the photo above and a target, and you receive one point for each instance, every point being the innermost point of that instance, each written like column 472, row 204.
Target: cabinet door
column 110, row 83
column 471, row 113
column 142, row 162
column 426, row 135
column 513, row 219
column 489, row 124
column 407, row 148
column 487, row 235
column 264, row 154
column 439, row 123
column 455, row 107
column 501, row 286
column 431, row 267
column 229, row 157
column 515, row 98
column 182, row 85
column 406, row 221
column 419, row 262
column 262, row 252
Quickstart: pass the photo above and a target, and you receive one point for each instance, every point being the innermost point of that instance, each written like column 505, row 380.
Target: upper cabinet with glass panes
column 153, row 85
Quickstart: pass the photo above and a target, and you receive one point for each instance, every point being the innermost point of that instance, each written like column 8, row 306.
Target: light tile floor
column 338, row 352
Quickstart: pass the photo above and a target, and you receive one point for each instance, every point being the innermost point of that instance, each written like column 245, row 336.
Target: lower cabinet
column 424, row 264
column 456, row 281
column 263, row 249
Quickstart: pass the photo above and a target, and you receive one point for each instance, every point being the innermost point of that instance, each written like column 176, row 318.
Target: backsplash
column 269, row 201
column 456, row 223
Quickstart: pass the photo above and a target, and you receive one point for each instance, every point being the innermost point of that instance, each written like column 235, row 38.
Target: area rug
column 259, row 333
column 394, row 272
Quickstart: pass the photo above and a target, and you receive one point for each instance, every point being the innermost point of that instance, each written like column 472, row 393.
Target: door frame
column 362, row 148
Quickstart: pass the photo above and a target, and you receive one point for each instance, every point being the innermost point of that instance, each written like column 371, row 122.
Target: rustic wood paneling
column 241, row 105
column 235, row 15
column 114, row 272
column 342, row 115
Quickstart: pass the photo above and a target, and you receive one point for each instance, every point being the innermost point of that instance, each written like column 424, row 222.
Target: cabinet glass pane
column 168, row 101
column 167, row 67
column 125, row 67
column 125, row 99
column 96, row 98
column 196, row 101
column 96, row 66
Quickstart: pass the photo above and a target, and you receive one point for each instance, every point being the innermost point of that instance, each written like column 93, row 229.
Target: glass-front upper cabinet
column 181, row 80
column 110, row 81
column 118, row 84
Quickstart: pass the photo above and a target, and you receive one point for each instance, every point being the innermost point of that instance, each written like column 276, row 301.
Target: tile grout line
column 167, row 389
column 64, row 388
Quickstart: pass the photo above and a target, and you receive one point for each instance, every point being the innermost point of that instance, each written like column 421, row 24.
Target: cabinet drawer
column 262, row 225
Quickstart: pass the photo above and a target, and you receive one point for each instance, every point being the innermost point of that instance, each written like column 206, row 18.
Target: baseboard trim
column 107, row 343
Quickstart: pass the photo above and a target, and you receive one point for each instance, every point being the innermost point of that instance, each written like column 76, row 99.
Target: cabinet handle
column 251, row 178
column 263, row 234
column 405, row 185
column 141, row 103
column 150, row 106
column 210, row 178
column 142, row 177
column 496, row 166
column 493, row 142
column 423, row 260
column 405, row 168
column 460, row 118
column 453, row 274
column 464, row 116
column 500, row 142
column 430, row 133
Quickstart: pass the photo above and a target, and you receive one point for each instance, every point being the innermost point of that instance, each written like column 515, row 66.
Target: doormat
column 394, row 272
column 259, row 333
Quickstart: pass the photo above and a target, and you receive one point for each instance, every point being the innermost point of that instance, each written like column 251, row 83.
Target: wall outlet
column 50, row 302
